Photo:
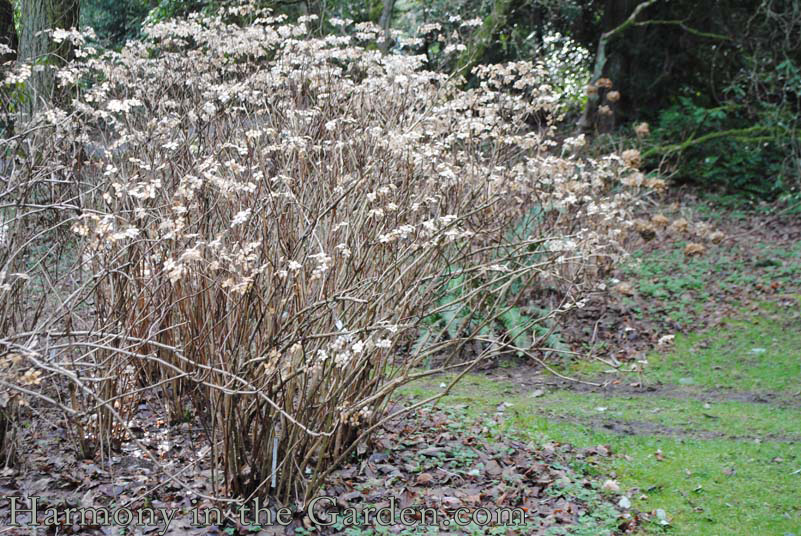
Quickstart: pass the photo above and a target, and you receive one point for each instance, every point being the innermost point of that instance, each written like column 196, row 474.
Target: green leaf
column 517, row 327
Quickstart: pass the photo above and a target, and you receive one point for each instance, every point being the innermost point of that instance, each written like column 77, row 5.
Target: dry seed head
column 692, row 249
column 646, row 229
column 633, row 180
column 680, row 225
column 658, row 185
column 604, row 83
column 660, row 220
column 631, row 158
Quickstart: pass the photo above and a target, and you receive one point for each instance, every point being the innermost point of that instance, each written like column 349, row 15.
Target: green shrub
column 724, row 148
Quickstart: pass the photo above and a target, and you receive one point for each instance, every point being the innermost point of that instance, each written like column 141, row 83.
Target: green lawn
column 760, row 352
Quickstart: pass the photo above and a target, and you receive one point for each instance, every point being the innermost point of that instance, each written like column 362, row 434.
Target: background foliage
column 116, row 21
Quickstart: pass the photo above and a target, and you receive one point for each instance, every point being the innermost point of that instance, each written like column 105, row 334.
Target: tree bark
column 37, row 48
column 8, row 33
column 386, row 22
column 482, row 39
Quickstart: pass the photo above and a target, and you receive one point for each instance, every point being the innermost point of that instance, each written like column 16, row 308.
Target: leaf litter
column 430, row 458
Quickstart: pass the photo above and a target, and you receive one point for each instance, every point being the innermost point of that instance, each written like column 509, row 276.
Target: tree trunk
column 37, row 48
column 8, row 33
column 482, row 38
column 386, row 22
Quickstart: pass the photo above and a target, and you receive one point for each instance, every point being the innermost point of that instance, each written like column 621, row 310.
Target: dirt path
column 532, row 380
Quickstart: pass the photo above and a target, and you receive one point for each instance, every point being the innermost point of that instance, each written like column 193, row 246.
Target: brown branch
column 680, row 24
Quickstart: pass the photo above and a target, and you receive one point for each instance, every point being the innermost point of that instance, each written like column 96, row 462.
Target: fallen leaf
column 493, row 469
column 451, row 503
column 425, row 479
column 625, row 288
column 611, row 485
column 666, row 340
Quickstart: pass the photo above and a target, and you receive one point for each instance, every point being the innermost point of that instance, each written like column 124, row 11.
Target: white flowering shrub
column 257, row 223
column 567, row 65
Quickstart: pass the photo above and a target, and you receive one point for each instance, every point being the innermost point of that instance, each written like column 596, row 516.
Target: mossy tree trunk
column 8, row 33
column 36, row 47
column 483, row 38
column 386, row 22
